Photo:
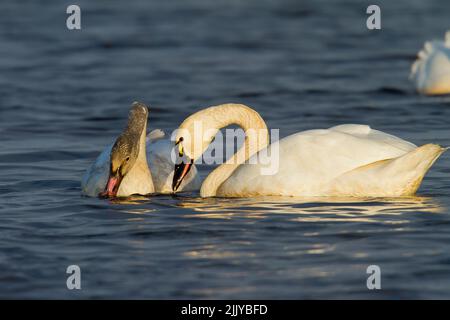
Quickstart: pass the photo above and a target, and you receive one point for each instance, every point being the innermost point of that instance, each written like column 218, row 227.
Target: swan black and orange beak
column 181, row 170
column 112, row 186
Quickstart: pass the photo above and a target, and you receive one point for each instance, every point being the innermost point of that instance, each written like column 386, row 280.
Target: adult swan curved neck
column 346, row 160
column 197, row 131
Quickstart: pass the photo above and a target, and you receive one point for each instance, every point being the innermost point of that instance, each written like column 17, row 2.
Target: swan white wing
column 155, row 135
column 366, row 132
column 96, row 176
column 309, row 160
column 162, row 166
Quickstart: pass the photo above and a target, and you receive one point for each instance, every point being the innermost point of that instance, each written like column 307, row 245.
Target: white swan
column 346, row 160
column 431, row 71
column 130, row 173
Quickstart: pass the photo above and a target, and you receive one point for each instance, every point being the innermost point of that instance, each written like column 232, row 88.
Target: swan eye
column 127, row 159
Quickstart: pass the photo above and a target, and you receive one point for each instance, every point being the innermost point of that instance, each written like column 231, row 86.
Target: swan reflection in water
column 343, row 219
column 311, row 209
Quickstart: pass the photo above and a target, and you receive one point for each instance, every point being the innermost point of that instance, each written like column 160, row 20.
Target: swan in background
column 431, row 71
column 122, row 168
column 346, row 160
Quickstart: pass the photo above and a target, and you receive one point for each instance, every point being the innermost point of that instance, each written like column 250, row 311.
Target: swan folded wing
column 309, row 160
column 329, row 153
column 96, row 176
column 161, row 165
column 399, row 176
column 366, row 132
column 155, row 135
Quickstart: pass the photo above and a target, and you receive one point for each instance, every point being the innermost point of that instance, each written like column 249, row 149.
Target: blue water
column 64, row 96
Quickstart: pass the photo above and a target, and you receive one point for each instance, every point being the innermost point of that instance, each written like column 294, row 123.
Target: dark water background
column 64, row 95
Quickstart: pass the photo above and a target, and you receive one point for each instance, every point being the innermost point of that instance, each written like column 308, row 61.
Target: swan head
column 125, row 150
column 192, row 138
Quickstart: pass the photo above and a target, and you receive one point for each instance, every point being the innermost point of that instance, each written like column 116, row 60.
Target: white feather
column 431, row 71
column 347, row 160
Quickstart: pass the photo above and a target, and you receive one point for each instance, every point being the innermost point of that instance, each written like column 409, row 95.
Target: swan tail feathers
column 155, row 135
column 395, row 177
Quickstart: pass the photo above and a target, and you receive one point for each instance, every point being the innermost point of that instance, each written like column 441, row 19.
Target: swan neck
column 139, row 179
column 256, row 138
